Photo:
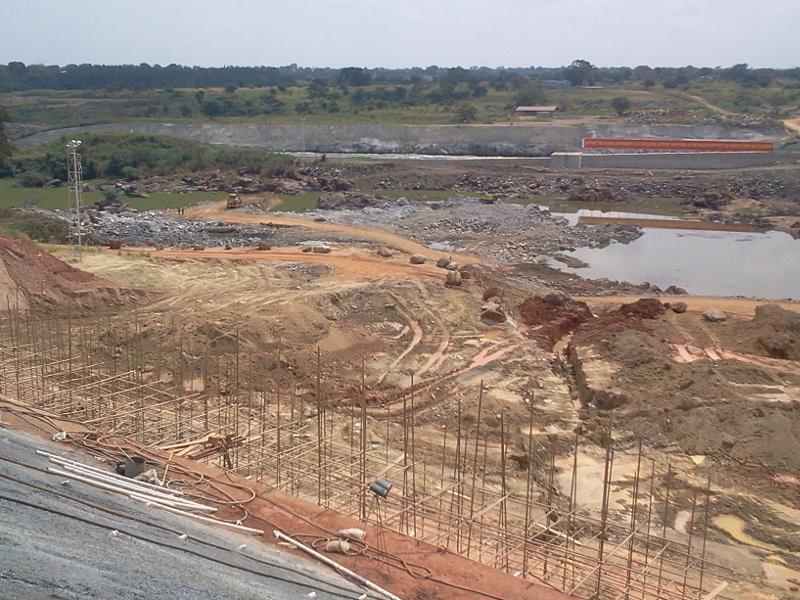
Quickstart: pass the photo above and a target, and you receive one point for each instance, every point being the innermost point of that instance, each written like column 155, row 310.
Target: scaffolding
column 290, row 436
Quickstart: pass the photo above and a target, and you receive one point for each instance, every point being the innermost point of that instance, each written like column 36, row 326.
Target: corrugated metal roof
column 552, row 108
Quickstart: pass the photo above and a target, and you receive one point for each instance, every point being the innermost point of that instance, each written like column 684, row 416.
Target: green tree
column 621, row 105
column 354, row 77
column 581, row 72
column 5, row 145
column 211, row 108
column 531, row 95
column 466, row 113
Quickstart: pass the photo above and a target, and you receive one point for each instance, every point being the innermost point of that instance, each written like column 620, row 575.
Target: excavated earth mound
column 726, row 401
column 553, row 316
column 774, row 331
column 30, row 277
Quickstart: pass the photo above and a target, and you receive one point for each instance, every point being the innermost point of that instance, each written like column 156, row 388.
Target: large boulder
column 491, row 312
column 453, row 278
column 493, row 292
column 443, row 262
column 385, row 252
column 679, row 307
column 417, row 259
column 714, row 315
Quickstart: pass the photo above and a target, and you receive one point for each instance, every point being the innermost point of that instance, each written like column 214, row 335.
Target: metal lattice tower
column 74, row 185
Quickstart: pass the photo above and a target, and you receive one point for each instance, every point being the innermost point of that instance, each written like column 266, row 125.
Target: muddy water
column 713, row 263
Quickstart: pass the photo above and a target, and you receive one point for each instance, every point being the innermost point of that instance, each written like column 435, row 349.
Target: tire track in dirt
column 415, row 339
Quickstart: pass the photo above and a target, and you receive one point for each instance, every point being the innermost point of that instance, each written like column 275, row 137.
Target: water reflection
column 762, row 265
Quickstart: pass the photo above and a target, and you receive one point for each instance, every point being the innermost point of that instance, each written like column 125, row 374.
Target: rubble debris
column 596, row 193
column 356, row 201
column 713, row 199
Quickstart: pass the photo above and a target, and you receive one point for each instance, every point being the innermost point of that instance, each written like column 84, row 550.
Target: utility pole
column 74, row 177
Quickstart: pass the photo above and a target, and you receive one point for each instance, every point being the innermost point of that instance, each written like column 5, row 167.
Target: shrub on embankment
column 132, row 155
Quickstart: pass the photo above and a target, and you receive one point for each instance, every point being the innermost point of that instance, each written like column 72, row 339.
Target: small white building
column 536, row 111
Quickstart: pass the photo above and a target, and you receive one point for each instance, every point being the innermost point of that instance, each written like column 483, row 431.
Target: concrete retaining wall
column 678, row 161
column 534, row 139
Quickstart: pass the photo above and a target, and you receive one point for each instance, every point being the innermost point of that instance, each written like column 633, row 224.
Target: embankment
column 528, row 139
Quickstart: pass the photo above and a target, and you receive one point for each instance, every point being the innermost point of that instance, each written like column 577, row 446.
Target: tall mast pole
column 75, row 173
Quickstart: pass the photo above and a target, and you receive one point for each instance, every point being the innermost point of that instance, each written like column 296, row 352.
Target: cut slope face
column 30, row 277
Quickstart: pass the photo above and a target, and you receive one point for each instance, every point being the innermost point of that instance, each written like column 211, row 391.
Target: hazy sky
column 396, row 33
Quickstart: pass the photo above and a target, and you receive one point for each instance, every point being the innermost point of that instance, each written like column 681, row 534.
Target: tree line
column 17, row 76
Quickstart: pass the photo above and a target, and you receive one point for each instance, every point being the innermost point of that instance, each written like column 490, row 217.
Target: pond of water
column 714, row 263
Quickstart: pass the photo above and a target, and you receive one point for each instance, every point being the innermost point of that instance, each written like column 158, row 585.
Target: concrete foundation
column 675, row 160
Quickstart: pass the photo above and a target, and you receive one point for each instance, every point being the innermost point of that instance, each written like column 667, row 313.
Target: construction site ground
column 706, row 399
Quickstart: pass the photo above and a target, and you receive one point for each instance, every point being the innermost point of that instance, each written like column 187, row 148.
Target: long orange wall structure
column 677, row 145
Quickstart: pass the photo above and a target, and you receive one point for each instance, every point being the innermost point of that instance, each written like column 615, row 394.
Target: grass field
column 52, row 109
column 54, row 198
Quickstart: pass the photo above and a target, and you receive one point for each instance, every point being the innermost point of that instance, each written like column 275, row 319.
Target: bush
column 211, row 108
column 531, row 95
column 466, row 113
column 32, row 179
column 621, row 105
column 137, row 155
column 129, row 173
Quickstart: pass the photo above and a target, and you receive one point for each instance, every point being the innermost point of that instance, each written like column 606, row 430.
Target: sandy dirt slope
column 32, row 277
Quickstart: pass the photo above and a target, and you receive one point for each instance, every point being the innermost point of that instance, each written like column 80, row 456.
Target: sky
column 402, row 33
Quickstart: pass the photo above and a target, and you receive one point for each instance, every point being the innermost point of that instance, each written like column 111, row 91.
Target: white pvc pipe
column 341, row 569
column 132, row 487
column 100, row 484
column 178, row 511
column 165, row 502
column 66, row 461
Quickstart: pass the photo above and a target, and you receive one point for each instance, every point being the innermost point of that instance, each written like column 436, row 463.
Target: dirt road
column 744, row 307
column 350, row 263
column 216, row 211
column 793, row 125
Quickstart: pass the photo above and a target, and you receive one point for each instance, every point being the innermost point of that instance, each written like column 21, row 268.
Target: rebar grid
column 83, row 371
